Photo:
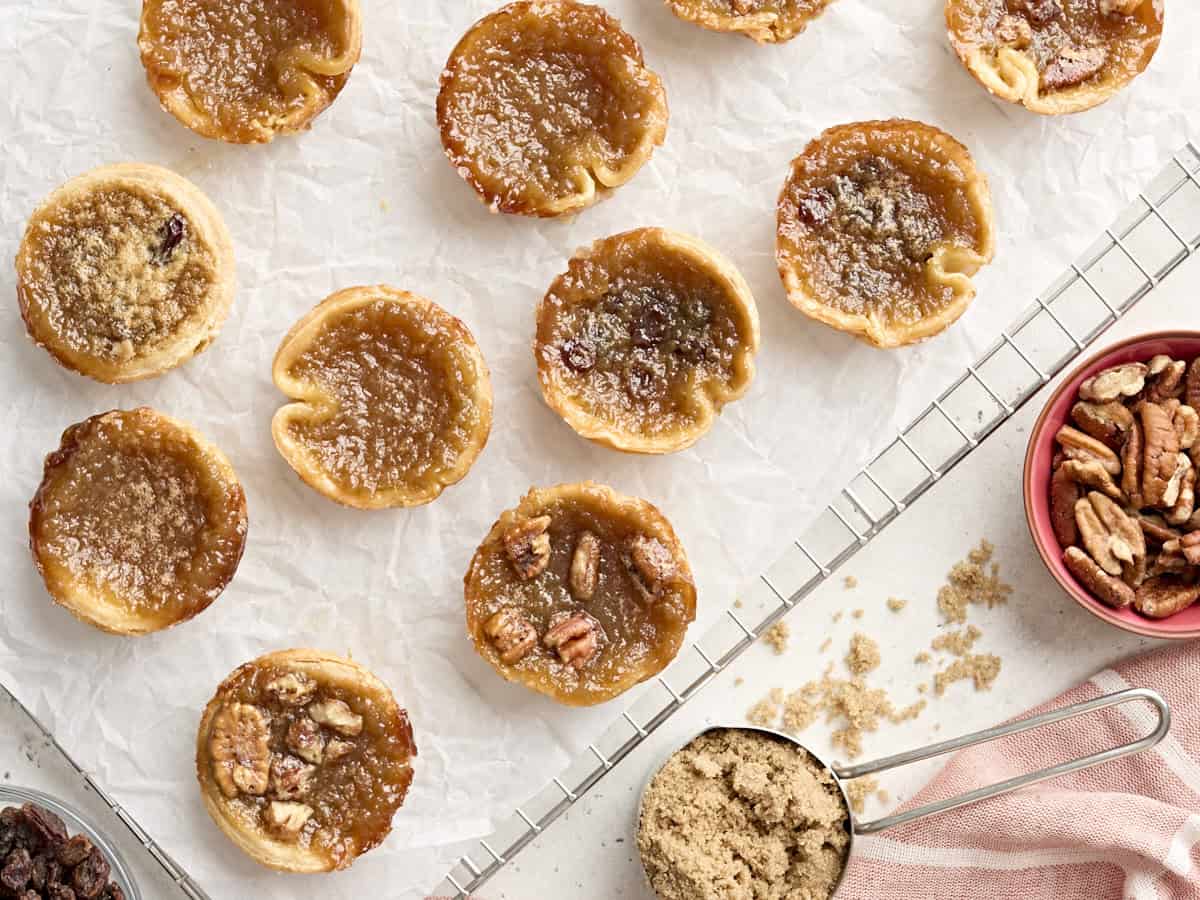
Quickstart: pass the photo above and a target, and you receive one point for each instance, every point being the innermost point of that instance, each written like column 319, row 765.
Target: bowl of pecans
column 1110, row 484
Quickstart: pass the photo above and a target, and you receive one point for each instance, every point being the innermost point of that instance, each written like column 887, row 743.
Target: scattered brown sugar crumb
column 739, row 681
column 863, row 656
column 882, row 796
column 895, row 604
column 858, row 614
column 858, row 790
column 737, row 604
column 851, row 582
column 825, row 645
column 799, row 710
column 982, row 668
column 922, row 688
column 837, row 616
column 922, row 658
column 776, row 637
column 909, row 712
column 735, row 808
column 765, row 712
column 958, row 643
column 970, row 581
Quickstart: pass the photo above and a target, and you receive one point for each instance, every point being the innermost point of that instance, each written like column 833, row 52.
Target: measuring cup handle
column 1020, row 781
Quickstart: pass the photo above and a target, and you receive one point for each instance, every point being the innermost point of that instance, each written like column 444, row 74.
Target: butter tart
column 393, row 400
column 643, row 340
column 1055, row 56
column 881, row 226
column 139, row 522
column 546, row 102
column 125, row 272
column 579, row 593
column 244, row 72
column 303, row 759
column 766, row 21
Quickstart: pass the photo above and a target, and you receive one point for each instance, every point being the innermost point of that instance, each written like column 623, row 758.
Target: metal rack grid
column 1148, row 241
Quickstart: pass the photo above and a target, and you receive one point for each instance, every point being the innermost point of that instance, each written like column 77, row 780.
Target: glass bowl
column 11, row 795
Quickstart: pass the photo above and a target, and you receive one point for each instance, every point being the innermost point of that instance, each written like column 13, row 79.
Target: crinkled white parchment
column 367, row 197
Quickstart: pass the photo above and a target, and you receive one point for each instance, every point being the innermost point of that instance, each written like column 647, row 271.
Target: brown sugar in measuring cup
column 741, row 809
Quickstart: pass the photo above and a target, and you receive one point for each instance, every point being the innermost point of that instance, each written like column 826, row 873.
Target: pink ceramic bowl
column 1178, row 344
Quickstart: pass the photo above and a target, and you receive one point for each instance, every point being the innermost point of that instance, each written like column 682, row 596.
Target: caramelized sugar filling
column 539, row 95
column 247, row 65
column 1070, row 41
column 862, row 216
column 114, row 272
column 403, row 396
column 351, row 770
column 635, row 333
column 638, row 622
column 134, row 511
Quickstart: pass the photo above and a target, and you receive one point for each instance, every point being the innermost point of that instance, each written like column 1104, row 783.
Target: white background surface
column 367, row 196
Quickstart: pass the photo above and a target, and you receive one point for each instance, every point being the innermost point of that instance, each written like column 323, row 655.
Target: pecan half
column 290, row 778
column 1110, row 536
column 1161, row 597
column 1183, row 465
column 1191, row 385
column 651, row 565
column 1156, row 529
column 1160, row 454
column 585, row 566
column 1119, row 381
column 1092, row 474
column 1167, row 381
column 1106, row 422
column 1072, row 66
column 1105, row 587
column 576, row 639
column 305, row 739
column 1064, row 494
column 1131, row 465
column 1187, row 425
column 287, row 819
column 338, row 715
column 240, row 750
column 1185, row 504
column 292, row 688
column 513, row 635
column 1083, row 447
column 1189, row 546
column 527, row 544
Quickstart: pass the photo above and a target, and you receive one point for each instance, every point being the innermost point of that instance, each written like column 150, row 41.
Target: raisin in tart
column 303, row 759
column 579, row 593
column 125, row 272
column 643, row 340
column 1055, row 56
column 570, row 69
column 881, row 226
column 766, row 21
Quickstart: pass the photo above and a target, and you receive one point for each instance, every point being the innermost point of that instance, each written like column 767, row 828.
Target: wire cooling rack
column 1148, row 241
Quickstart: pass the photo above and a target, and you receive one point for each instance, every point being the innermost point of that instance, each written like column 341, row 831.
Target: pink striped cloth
column 1127, row 830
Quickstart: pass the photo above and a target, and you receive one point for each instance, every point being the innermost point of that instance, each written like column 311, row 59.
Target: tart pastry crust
column 393, row 400
column 765, row 21
column 579, row 593
column 1055, row 56
column 125, row 272
column 573, row 70
column 881, row 226
column 242, row 72
column 643, row 340
column 303, row 759
column 139, row 522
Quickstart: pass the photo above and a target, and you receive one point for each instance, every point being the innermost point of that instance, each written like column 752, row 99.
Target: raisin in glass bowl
column 11, row 795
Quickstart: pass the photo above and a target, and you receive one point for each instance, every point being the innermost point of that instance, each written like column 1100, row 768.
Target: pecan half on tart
column 644, row 339
column 1055, row 56
column 579, row 593
column 139, row 522
column 544, row 104
column 125, row 272
column 765, row 21
column 303, row 759
column 881, row 226
column 392, row 398
column 245, row 72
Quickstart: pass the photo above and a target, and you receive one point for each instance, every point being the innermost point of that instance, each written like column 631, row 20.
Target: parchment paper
column 367, row 197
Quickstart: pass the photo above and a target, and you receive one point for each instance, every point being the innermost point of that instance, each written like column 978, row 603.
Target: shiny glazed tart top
column 543, row 99
column 136, row 525
column 766, row 21
column 241, row 71
column 579, row 593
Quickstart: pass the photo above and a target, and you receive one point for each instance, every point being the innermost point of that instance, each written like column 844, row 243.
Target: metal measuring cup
column 842, row 774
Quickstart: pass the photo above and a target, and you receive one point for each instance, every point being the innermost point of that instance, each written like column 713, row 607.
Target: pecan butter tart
column 766, row 21
column 546, row 103
column 392, row 398
column 303, row 759
column 579, row 593
column 125, row 272
column 139, row 522
column 1055, row 56
column 246, row 70
column 881, row 226
column 643, row 340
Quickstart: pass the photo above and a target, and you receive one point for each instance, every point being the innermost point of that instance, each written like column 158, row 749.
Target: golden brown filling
column 134, row 512
column 1070, row 41
column 539, row 95
column 575, row 597
column 404, row 393
column 311, row 763
column 635, row 333
column 861, row 219
column 245, row 64
column 115, row 272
